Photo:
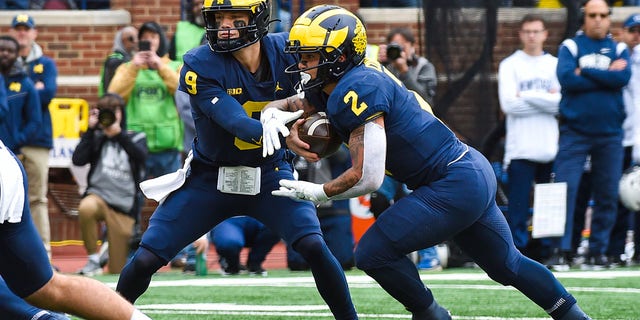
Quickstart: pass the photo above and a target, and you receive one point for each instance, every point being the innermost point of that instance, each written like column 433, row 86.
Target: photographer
column 415, row 72
column 117, row 160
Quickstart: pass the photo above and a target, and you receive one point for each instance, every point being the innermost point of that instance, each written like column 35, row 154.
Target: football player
column 229, row 81
column 25, row 267
column 388, row 127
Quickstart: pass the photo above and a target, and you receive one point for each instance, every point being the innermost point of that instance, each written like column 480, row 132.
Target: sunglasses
column 601, row 15
column 634, row 30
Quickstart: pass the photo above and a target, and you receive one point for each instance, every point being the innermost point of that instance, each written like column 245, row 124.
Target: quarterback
column 229, row 81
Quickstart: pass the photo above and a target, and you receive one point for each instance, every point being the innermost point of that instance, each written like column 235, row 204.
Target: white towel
column 160, row 188
column 12, row 191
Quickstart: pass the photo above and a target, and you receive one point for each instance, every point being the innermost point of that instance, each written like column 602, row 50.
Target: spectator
column 148, row 83
column 419, row 75
column 24, row 114
column 35, row 151
column 592, row 70
column 25, row 266
column 13, row 307
column 415, row 72
column 116, row 159
column 529, row 95
column 390, row 131
column 334, row 216
column 189, row 33
column 230, row 237
column 125, row 44
column 630, row 141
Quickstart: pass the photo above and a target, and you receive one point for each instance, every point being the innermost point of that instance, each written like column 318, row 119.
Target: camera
column 106, row 117
column 394, row 51
column 144, row 45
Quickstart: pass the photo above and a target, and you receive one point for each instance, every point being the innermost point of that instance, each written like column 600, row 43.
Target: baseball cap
column 632, row 21
column 23, row 20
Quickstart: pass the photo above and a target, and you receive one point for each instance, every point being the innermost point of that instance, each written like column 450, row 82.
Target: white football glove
column 273, row 122
column 301, row 190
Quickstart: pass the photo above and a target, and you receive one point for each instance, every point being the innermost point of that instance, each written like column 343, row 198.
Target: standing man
column 227, row 174
column 43, row 72
column 592, row 70
column 390, row 129
column 529, row 95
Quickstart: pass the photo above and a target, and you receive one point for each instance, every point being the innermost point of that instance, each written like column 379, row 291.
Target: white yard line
column 365, row 281
column 360, row 281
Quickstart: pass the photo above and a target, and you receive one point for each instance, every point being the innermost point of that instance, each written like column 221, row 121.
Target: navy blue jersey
column 419, row 146
column 226, row 102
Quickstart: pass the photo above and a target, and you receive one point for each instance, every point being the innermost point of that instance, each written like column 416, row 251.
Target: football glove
column 301, row 190
column 273, row 122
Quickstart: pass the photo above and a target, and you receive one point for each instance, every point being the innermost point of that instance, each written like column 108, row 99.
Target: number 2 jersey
column 419, row 145
column 226, row 101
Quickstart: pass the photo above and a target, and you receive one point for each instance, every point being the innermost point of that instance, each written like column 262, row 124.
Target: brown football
column 319, row 134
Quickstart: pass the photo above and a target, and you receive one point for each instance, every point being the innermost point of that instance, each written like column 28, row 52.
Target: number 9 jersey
column 226, row 101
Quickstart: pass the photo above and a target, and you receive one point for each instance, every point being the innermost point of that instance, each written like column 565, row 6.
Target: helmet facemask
column 334, row 33
column 249, row 33
column 329, row 67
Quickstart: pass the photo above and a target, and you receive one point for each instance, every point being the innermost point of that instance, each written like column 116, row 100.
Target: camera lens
column 394, row 51
column 106, row 117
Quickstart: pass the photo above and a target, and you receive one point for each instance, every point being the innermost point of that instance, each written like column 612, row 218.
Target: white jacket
column 524, row 89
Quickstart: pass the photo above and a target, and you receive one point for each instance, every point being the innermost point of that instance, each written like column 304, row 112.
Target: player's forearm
column 291, row 104
column 367, row 145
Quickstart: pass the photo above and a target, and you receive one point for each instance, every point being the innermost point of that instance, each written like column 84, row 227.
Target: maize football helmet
column 332, row 32
column 630, row 188
column 257, row 27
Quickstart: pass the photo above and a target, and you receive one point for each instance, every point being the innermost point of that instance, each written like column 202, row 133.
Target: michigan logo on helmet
column 332, row 32
column 630, row 188
column 249, row 33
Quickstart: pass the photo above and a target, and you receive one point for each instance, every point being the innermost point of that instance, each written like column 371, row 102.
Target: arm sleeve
column 375, row 149
column 510, row 102
column 567, row 64
column 229, row 114
column 613, row 79
column 542, row 101
column 49, row 80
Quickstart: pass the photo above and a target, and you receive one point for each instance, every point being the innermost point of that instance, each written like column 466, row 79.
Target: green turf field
column 468, row 293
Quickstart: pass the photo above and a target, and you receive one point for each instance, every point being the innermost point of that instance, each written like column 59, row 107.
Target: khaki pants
column 91, row 211
column 36, row 163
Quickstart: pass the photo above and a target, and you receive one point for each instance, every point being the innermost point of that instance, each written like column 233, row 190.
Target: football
column 319, row 134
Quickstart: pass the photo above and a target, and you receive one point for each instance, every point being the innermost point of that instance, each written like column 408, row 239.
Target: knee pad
column 505, row 275
column 372, row 249
column 146, row 262
column 310, row 246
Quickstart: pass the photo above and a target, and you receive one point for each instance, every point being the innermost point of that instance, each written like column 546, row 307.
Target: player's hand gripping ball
column 319, row 134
